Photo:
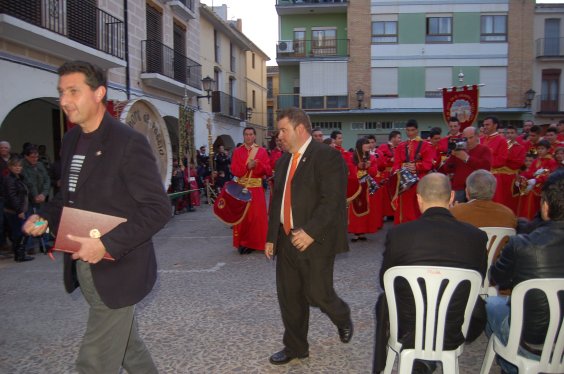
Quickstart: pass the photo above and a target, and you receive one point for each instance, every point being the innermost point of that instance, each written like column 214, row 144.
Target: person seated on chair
column 436, row 238
column 480, row 210
column 530, row 256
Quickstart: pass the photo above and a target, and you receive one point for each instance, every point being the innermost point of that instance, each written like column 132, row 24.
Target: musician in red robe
column 498, row 145
column 276, row 152
column 365, row 210
column 515, row 162
column 560, row 128
column 434, row 141
column 524, row 136
column 532, row 140
column 453, row 133
column 250, row 164
column 386, row 151
column 532, row 180
column 415, row 155
column 551, row 135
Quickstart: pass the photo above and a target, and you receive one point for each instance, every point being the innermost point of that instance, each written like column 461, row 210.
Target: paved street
column 211, row 311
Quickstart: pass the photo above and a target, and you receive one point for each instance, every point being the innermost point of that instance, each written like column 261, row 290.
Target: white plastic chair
column 430, row 318
column 551, row 360
column 496, row 239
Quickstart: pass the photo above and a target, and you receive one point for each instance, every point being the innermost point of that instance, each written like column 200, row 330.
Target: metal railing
column 332, row 102
column 228, row 105
column 160, row 59
column 78, row 21
column 313, row 48
column 303, row 2
column 550, row 47
column 549, row 103
column 188, row 4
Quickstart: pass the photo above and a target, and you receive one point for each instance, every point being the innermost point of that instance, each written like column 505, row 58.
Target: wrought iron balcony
column 550, row 47
column 333, row 102
column 228, row 105
column 76, row 20
column 163, row 60
column 549, row 104
column 312, row 48
column 285, row 7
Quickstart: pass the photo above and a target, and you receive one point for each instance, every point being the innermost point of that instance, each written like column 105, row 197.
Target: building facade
column 399, row 55
column 153, row 52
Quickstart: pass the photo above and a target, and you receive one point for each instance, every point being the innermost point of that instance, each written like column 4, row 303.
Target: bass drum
column 232, row 203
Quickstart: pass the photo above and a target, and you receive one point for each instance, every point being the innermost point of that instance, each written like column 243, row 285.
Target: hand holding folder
column 83, row 224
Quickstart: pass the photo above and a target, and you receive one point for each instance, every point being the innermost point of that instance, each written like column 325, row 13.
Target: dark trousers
column 302, row 282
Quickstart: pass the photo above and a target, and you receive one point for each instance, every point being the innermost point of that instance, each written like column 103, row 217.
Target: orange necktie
column 288, row 194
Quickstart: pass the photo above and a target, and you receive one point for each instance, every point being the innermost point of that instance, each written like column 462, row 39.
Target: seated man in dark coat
column 530, row 256
column 436, row 238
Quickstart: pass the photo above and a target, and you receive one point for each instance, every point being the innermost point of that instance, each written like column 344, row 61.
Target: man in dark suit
column 436, row 238
column 307, row 228
column 109, row 168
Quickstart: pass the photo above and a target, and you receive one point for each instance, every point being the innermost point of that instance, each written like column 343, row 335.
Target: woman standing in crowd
column 16, row 202
column 365, row 210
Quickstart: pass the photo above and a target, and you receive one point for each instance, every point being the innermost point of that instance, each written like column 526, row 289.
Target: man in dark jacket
column 530, row 256
column 438, row 239
column 101, row 173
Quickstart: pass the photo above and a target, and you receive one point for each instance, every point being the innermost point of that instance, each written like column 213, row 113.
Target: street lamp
column 529, row 96
column 249, row 113
column 360, row 98
column 207, row 85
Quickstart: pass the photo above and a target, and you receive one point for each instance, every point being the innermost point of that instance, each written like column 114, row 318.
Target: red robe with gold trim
column 507, row 176
column 362, row 221
column 498, row 145
column 407, row 207
column 529, row 204
column 386, row 151
column 251, row 232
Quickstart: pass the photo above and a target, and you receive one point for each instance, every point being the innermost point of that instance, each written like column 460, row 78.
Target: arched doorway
column 226, row 141
column 37, row 121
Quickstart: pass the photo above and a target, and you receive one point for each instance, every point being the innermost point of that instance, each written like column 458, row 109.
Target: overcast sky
column 260, row 21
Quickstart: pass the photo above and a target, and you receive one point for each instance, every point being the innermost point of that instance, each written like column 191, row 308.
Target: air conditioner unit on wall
column 285, row 46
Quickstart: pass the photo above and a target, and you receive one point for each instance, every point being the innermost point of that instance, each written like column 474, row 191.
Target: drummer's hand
column 301, row 240
column 269, row 250
column 251, row 164
column 410, row 166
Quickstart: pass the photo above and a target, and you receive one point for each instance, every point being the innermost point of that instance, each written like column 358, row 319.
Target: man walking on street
column 307, row 228
column 101, row 172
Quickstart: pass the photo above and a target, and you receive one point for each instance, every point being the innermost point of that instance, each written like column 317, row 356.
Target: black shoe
column 242, row 250
column 24, row 259
column 362, row 238
column 346, row 332
column 423, row 367
column 354, row 240
column 281, row 358
column 248, row 250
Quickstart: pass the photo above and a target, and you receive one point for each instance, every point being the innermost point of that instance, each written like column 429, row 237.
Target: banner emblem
column 462, row 103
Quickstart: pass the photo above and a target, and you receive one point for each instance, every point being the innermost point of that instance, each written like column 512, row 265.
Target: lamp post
column 208, row 86
column 249, row 113
column 360, row 98
column 529, row 96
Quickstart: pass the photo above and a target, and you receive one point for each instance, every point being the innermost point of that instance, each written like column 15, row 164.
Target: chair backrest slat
column 496, row 237
column 430, row 315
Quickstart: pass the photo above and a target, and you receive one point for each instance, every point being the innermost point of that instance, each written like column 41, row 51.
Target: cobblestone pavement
column 211, row 311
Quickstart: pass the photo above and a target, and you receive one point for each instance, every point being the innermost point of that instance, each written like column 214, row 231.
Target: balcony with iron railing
column 332, row 102
column 549, row 104
column 285, row 7
column 550, row 48
column 88, row 32
column 182, row 8
column 166, row 69
column 228, row 105
column 316, row 49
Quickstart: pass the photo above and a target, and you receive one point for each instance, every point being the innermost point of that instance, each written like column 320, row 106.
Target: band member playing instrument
column 498, row 145
column 416, row 156
column 515, row 161
column 387, row 152
column 531, row 181
column 365, row 210
column 453, row 133
column 250, row 164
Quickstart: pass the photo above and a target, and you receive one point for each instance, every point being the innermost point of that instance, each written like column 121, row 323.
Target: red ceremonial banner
column 462, row 103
